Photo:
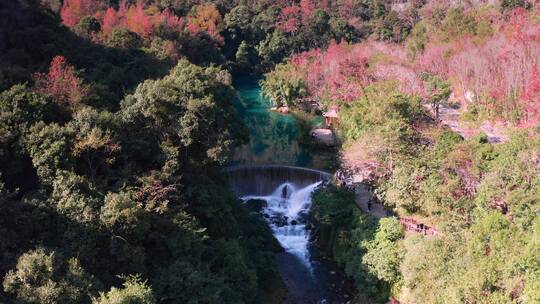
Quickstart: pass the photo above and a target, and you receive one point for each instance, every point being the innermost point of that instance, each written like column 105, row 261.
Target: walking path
column 450, row 117
column 363, row 196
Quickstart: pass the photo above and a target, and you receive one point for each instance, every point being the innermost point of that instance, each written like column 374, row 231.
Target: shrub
column 124, row 38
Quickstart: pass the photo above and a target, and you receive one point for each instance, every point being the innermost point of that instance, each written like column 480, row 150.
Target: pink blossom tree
column 61, row 82
column 73, row 10
column 531, row 96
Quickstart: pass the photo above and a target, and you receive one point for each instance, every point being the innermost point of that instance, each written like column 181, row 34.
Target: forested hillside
column 117, row 118
column 474, row 196
column 111, row 144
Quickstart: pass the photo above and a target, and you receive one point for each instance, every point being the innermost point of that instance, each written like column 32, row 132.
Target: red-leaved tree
column 339, row 73
column 171, row 21
column 531, row 96
column 290, row 19
column 110, row 20
column 73, row 10
column 138, row 21
column 295, row 16
column 61, row 82
column 207, row 19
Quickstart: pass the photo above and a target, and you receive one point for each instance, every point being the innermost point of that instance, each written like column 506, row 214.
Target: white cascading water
column 286, row 212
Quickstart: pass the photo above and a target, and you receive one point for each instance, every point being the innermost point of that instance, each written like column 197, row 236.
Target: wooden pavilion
column 331, row 115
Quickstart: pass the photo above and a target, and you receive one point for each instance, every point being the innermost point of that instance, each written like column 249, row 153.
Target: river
column 284, row 191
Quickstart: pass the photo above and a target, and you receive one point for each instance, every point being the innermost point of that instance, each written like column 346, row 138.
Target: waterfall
column 262, row 180
column 286, row 191
column 282, row 194
column 286, row 211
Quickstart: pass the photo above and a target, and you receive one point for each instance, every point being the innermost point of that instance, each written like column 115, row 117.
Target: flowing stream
column 286, row 211
column 283, row 196
column 283, row 193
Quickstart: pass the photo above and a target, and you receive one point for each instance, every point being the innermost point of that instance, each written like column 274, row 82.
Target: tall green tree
column 183, row 107
column 438, row 91
column 134, row 291
column 44, row 276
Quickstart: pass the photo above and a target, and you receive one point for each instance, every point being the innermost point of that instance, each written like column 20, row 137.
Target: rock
column 255, row 205
column 279, row 221
column 324, row 136
column 470, row 96
column 303, row 217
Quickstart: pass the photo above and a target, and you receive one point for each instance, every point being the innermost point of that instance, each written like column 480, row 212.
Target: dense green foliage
column 282, row 88
column 46, row 277
column 483, row 199
column 130, row 192
column 272, row 30
column 118, row 197
column 30, row 38
column 368, row 250
column 380, row 124
column 478, row 196
column 133, row 291
column 116, row 118
column 382, row 109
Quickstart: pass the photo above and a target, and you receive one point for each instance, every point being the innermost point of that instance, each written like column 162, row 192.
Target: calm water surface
column 274, row 138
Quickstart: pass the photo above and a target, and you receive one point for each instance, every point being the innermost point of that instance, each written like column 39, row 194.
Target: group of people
column 415, row 226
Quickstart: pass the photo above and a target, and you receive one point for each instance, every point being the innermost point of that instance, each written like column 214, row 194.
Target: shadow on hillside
column 31, row 36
